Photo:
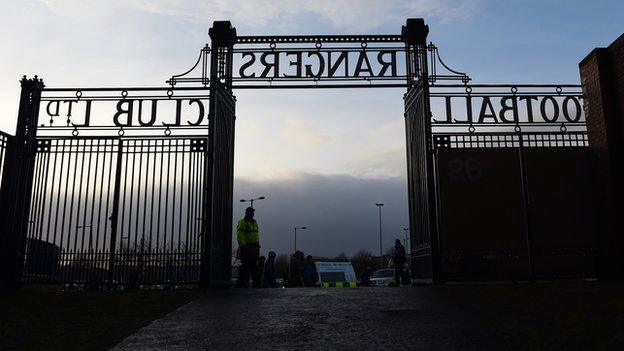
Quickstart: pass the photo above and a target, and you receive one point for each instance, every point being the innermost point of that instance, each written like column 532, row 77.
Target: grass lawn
column 80, row 320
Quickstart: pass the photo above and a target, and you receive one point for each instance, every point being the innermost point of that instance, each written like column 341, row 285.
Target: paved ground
column 577, row 316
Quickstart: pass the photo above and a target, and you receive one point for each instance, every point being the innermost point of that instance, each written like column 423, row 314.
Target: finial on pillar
column 415, row 31
column 35, row 82
column 222, row 33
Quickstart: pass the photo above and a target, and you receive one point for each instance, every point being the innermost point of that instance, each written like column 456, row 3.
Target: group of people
column 261, row 270
column 263, row 275
column 302, row 271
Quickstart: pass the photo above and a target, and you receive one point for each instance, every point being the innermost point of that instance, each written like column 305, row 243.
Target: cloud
column 388, row 129
column 339, row 211
column 354, row 15
column 388, row 162
column 304, row 134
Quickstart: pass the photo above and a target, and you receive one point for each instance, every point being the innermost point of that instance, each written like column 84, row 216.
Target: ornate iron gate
column 147, row 199
column 513, row 182
column 114, row 203
column 121, row 210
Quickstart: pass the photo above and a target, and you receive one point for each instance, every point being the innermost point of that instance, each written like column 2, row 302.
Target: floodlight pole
column 252, row 200
column 380, row 234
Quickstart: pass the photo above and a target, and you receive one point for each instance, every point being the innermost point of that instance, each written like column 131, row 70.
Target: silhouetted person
column 309, row 273
column 256, row 277
column 248, row 246
column 365, row 279
column 297, row 261
column 399, row 259
column 407, row 279
column 269, row 279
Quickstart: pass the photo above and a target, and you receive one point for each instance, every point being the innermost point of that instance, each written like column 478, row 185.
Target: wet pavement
column 428, row 318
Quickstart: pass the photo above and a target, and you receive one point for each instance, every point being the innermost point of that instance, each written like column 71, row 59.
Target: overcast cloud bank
column 339, row 211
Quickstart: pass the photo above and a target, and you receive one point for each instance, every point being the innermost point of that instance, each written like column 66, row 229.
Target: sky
column 322, row 158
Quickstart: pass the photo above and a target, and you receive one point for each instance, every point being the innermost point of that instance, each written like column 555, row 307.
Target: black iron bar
column 50, row 202
column 166, row 214
column 120, row 89
column 319, row 79
column 92, row 259
column 49, row 181
column 106, row 98
column 325, row 49
column 86, row 202
column 200, row 202
column 496, row 85
column 46, row 204
column 140, row 176
column 131, row 196
column 196, row 215
column 173, row 205
column 65, row 193
column 190, row 213
column 37, row 181
column 115, row 214
column 151, row 218
column 317, row 38
column 78, row 200
column 34, row 253
column 145, row 205
column 58, row 196
column 182, row 183
column 122, row 224
column 110, row 179
column 526, row 206
column 162, row 249
column 320, row 86
column 101, row 149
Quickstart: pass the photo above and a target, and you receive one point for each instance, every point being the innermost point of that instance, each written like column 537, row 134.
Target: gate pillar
column 218, row 173
column 17, row 179
column 602, row 77
column 422, row 188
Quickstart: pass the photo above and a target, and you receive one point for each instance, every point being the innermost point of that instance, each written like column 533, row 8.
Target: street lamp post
column 252, row 200
column 296, row 235
column 380, row 235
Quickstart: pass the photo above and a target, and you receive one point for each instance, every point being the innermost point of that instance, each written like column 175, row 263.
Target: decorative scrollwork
column 203, row 58
column 433, row 70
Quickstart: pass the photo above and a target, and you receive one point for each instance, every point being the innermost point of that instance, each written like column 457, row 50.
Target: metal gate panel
column 122, row 210
column 159, row 211
column 481, row 214
column 68, row 227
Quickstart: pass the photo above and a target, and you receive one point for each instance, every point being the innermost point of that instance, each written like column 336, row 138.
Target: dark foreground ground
column 49, row 319
column 495, row 316
column 541, row 316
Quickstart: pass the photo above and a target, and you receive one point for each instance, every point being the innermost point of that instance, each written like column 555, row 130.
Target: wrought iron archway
column 147, row 200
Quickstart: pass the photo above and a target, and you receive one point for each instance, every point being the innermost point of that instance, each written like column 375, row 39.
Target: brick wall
column 602, row 77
